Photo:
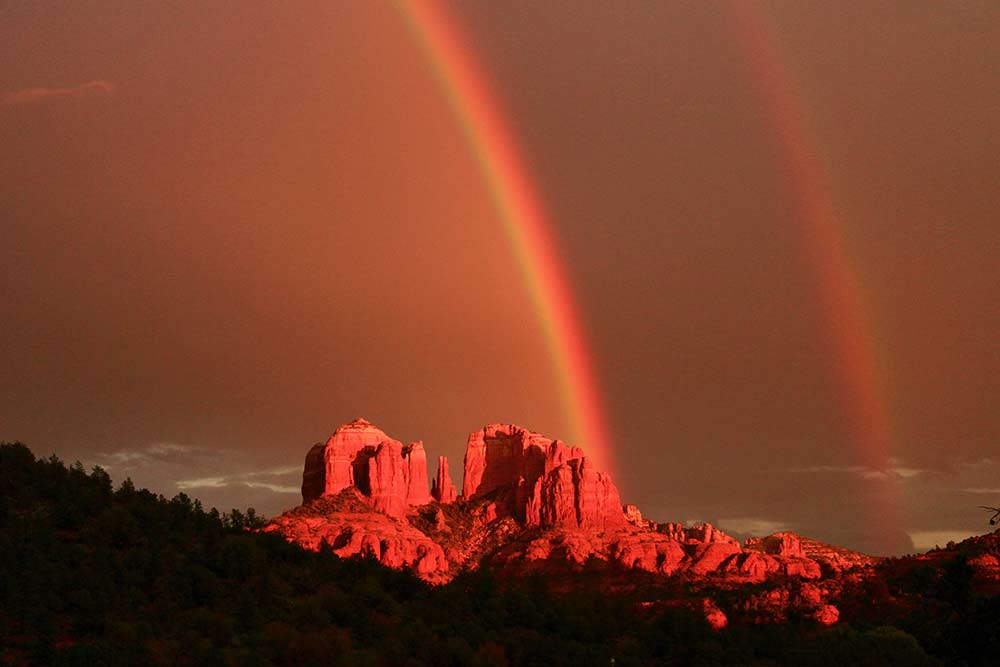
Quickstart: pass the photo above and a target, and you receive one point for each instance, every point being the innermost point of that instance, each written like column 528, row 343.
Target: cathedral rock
column 529, row 504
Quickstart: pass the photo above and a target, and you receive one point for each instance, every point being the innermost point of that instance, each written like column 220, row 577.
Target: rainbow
column 508, row 179
column 849, row 319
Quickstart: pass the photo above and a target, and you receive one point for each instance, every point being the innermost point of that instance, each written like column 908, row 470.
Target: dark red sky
column 226, row 230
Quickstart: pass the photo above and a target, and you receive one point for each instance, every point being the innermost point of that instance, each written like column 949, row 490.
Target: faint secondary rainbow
column 495, row 150
column 842, row 295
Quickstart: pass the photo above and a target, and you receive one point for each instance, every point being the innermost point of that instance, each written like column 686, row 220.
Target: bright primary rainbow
column 503, row 168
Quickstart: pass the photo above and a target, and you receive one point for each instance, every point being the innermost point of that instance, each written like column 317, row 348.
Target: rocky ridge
column 528, row 504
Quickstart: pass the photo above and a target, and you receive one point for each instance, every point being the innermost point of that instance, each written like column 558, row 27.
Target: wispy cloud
column 276, row 488
column 830, row 469
column 276, row 472
column 37, row 95
column 218, row 476
column 928, row 539
column 984, row 490
column 160, row 452
column 202, row 483
column 756, row 526
column 897, row 472
column 242, row 480
column 976, row 463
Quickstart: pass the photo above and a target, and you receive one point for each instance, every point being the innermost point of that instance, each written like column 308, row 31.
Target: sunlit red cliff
column 534, row 505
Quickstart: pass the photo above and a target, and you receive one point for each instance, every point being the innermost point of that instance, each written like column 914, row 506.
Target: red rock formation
column 570, row 494
column 836, row 558
column 530, row 502
column 672, row 530
column 826, row 615
column 708, row 533
column 634, row 516
column 752, row 566
column 795, row 548
column 416, row 474
column 500, row 454
column 339, row 458
column 715, row 616
column 649, row 552
column 985, row 573
column 387, row 479
column 361, row 455
column 555, row 499
column 806, row 599
column 598, row 505
column 443, row 489
column 558, row 453
column 351, row 527
column 550, row 485
column 710, row 556
column 779, row 544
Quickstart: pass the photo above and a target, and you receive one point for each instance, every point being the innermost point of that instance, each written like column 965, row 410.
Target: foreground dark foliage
column 90, row 575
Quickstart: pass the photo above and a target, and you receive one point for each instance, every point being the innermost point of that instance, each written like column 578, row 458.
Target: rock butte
column 528, row 504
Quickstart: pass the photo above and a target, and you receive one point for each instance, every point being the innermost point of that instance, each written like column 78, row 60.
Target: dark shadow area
column 360, row 468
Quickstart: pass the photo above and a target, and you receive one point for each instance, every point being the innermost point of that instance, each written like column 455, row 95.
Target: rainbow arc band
column 505, row 173
column 849, row 322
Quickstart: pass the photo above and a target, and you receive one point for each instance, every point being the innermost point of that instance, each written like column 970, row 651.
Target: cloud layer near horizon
column 42, row 94
column 219, row 477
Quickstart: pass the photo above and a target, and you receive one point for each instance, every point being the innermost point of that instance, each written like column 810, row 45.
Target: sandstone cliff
column 361, row 455
column 529, row 504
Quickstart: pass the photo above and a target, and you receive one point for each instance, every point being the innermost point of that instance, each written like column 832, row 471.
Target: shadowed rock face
column 554, row 485
column 573, row 494
column 314, row 473
column 499, row 455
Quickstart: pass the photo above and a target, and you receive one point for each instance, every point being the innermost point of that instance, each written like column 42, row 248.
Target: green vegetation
column 91, row 575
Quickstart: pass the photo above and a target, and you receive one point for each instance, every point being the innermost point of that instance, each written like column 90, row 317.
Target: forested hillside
column 91, row 574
